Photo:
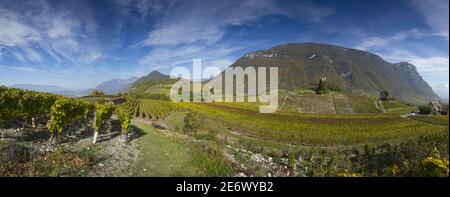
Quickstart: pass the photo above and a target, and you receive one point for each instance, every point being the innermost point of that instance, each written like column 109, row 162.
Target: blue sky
column 79, row 44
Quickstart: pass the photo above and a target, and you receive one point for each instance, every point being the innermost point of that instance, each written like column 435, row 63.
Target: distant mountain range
column 112, row 86
column 301, row 65
column 115, row 86
column 47, row 88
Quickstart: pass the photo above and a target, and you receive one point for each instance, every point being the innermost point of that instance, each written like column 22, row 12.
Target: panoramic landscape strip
column 193, row 88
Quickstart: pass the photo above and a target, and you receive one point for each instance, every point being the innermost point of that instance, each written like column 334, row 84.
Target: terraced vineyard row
column 147, row 108
column 131, row 106
column 323, row 130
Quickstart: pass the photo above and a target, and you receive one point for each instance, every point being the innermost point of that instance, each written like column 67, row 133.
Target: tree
column 97, row 93
column 323, row 86
column 384, row 95
column 425, row 110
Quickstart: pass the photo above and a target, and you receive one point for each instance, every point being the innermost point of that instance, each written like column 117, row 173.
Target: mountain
column 46, row 88
column 112, row 86
column 115, row 86
column 154, row 84
column 302, row 64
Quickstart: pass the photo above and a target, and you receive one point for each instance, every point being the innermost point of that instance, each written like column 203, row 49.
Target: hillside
column 356, row 73
column 115, row 86
column 154, row 84
column 307, row 101
column 360, row 72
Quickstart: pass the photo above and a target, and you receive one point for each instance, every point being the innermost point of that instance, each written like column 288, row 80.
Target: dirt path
column 380, row 107
column 284, row 101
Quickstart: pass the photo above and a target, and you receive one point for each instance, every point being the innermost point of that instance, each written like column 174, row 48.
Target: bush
column 425, row 110
column 323, row 87
column 334, row 88
column 95, row 93
column 433, row 166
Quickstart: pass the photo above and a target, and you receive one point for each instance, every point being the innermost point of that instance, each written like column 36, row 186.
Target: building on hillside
column 435, row 106
column 384, row 95
column 444, row 109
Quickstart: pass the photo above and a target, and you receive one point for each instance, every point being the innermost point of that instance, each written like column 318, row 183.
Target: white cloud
column 61, row 27
column 436, row 14
column 442, row 90
column 183, row 55
column 205, row 21
column 374, row 42
column 19, row 68
column 92, row 56
column 14, row 33
column 65, row 32
column 142, row 8
column 219, row 64
column 433, row 69
column 430, row 64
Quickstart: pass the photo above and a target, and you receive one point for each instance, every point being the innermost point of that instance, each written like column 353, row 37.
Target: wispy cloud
column 33, row 29
column 196, row 29
column 206, row 21
column 18, row 68
column 431, row 63
column 183, row 55
column 377, row 42
column 436, row 14
column 441, row 89
column 144, row 8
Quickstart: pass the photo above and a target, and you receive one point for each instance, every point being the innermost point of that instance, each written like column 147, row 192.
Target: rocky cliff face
column 302, row 65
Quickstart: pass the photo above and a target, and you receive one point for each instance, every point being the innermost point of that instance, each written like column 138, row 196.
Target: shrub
column 433, row 166
column 97, row 93
column 323, row 87
column 425, row 109
column 334, row 88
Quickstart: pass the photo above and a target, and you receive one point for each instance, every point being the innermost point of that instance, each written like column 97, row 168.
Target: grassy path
column 162, row 155
column 175, row 155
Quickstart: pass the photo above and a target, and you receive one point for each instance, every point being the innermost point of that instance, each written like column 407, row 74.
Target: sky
column 78, row 44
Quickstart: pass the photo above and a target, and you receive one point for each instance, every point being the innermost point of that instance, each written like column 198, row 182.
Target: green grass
column 163, row 155
column 175, row 121
column 402, row 110
column 437, row 120
column 323, row 130
column 331, row 103
column 393, row 104
column 362, row 104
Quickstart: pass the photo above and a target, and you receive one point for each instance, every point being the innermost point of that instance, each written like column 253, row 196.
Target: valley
column 362, row 123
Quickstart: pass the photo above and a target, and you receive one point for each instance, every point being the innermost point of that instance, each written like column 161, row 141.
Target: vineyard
column 54, row 112
column 151, row 109
column 80, row 132
column 23, row 108
column 317, row 129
